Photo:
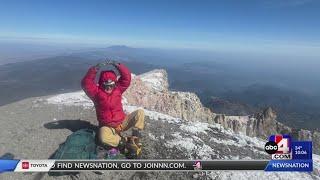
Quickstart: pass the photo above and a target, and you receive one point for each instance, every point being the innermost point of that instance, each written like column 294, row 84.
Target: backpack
column 79, row 145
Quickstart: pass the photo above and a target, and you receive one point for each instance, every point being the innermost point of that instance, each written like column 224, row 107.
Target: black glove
column 112, row 62
column 100, row 65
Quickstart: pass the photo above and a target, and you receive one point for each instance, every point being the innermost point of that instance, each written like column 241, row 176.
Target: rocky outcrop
column 150, row 90
column 316, row 142
column 228, row 107
column 261, row 124
column 306, row 135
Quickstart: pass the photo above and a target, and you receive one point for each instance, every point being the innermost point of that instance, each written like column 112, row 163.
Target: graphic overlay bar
column 158, row 165
column 125, row 165
column 8, row 165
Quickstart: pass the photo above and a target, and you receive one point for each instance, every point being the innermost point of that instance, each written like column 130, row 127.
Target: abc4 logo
column 278, row 144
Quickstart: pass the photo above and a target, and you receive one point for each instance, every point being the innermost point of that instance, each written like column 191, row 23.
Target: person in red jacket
column 107, row 96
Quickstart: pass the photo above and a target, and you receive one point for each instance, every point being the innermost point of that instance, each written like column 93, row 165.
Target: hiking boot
column 134, row 148
column 101, row 152
column 122, row 145
column 136, row 132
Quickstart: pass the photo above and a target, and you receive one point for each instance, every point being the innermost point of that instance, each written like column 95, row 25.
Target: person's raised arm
column 88, row 83
column 125, row 77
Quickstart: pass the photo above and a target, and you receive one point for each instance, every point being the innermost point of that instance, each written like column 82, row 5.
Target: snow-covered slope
column 78, row 98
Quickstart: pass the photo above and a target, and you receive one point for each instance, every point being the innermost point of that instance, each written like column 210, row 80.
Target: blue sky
column 259, row 26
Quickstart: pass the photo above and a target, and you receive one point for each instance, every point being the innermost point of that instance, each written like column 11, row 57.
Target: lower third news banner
column 134, row 165
column 156, row 165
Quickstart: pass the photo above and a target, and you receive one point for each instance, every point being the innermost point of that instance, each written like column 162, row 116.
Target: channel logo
column 288, row 155
column 279, row 146
column 25, row 165
column 197, row 165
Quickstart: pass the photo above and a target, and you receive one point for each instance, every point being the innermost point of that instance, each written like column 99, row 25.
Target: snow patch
column 78, row 98
column 153, row 137
column 155, row 79
column 124, row 100
column 226, row 142
column 133, row 76
column 187, row 96
column 195, row 127
column 205, row 152
column 316, row 164
column 184, row 144
column 152, row 114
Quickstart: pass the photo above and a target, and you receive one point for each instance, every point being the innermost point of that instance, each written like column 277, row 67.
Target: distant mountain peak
column 120, row 47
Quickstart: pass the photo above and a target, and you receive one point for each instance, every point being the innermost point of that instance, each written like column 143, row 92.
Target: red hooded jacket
column 108, row 106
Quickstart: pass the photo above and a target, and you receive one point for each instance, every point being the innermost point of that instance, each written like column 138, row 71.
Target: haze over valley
column 224, row 84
